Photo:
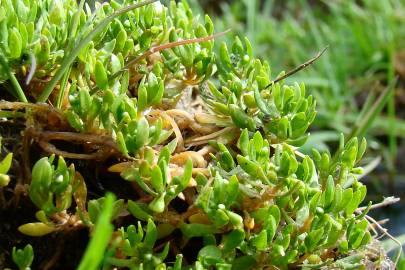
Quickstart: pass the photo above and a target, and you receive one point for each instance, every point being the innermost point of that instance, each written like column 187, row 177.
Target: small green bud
column 4, row 180
column 42, row 174
column 23, row 257
column 100, row 75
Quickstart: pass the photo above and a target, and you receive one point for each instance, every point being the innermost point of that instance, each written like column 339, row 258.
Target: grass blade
column 363, row 124
column 367, row 105
column 95, row 250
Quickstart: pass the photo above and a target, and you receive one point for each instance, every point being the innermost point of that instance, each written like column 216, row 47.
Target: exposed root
column 105, row 146
column 189, row 122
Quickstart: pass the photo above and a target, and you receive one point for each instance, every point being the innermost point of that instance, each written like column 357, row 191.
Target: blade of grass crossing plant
column 361, row 126
column 71, row 56
column 367, row 105
column 251, row 16
column 103, row 230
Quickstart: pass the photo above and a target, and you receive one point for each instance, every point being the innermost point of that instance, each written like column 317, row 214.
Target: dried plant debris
column 200, row 148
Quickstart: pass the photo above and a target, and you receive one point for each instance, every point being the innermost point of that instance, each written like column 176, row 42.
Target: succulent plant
column 207, row 139
column 5, row 165
column 23, row 257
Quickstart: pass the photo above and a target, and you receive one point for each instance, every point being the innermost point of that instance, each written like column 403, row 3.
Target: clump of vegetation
column 366, row 41
column 200, row 147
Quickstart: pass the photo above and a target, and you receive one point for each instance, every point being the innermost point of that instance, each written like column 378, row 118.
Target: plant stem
column 387, row 201
column 18, row 90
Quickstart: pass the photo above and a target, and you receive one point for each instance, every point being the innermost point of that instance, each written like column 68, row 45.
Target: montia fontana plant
column 200, row 147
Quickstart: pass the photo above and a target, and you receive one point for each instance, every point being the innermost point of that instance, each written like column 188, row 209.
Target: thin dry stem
column 159, row 48
column 387, row 201
column 298, row 68
column 385, row 233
